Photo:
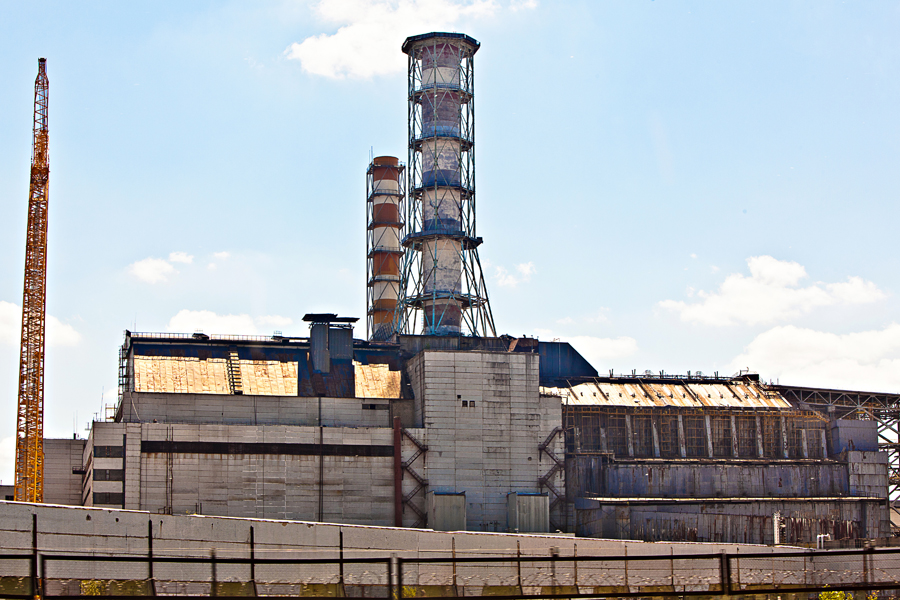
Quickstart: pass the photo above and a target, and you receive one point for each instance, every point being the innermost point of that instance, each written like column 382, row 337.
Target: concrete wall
column 589, row 476
column 446, row 512
column 853, row 474
column 741, row 521
column 249, row 471
column 138, row 407
column 105, row 532
column 104, row 463
column 123, row 532
column 528, row 513
column 867, row 473
column 848, row 434
column 61, row 458
column 483, row 420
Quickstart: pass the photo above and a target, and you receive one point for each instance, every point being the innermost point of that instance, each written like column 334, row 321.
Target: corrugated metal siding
column 340, row 343
column 318, row 348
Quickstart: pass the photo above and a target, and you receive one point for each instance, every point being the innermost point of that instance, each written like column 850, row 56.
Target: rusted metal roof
column 192, row 375
column 647, row 393
column 376, row 381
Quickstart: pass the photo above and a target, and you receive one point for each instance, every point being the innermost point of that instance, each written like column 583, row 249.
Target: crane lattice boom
column 30, row 433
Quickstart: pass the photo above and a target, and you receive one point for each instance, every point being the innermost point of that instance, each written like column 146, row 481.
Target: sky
column 668, row 185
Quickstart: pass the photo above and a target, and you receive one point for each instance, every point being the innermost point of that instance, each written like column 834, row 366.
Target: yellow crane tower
column 30, row 417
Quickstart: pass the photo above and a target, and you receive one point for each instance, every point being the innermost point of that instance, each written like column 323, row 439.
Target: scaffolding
column 442, row 288
column 884, row 409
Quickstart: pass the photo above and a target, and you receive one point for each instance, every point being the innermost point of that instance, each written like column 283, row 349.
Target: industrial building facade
column 436, row 422
column 475, row 434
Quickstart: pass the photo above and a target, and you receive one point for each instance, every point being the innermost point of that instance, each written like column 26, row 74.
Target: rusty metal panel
column 180, row 375
column 191, row 375
column 651, row 393
column 269, row 377
column 376, row 381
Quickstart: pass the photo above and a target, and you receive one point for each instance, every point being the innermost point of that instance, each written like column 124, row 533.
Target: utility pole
column 30, row 417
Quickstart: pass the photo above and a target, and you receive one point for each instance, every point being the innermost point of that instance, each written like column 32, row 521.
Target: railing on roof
column 690, row 376
column 211, row 337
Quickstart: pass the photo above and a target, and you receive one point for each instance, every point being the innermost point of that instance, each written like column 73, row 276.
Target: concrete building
column 461, row 429
column 477, row 434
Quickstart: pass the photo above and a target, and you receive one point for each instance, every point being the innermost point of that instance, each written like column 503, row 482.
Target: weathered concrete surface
column 106, row 532
column 61, row 458
column 484, row 420
column 851, row 474
column 112, row 532
column 748, row 521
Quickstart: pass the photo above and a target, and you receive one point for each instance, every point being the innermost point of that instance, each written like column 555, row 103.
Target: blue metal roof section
column 436, row 34
column 561, row 362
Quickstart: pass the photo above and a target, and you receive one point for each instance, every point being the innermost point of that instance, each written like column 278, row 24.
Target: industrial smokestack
column 385, row 187
column 441, row 274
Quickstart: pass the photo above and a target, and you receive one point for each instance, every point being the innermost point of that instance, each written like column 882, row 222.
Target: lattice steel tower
column 442, row 285
column 30, row 416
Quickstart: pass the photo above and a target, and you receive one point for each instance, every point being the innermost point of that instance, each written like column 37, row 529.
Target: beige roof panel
column 674, row 393
column 376, row 381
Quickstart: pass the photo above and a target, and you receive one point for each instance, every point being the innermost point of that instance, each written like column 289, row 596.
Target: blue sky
column 668, row 185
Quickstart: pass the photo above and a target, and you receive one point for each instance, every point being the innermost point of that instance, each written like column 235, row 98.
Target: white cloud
column 566, row 321
column 866, row 360
column 152, row 270
column 598, row 351
column 274, row 320
column 770, row 294
column 61, row 334
column 370, row 33
column 601, row 316
column 693, row 256
column 211, row 266
column 8, row 460
column 506, row 279
column 181, row 257
column 58, row 333
column 221, row 255
column 189, row 321
column 10, row 323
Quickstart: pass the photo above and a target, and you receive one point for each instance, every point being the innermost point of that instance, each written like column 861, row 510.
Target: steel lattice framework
column 441, row 284
column 884, row 409
column 30, row 417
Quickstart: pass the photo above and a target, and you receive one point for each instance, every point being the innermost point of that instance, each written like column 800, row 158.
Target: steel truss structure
column 442, row 283
column 884, row 409
column 29, row 485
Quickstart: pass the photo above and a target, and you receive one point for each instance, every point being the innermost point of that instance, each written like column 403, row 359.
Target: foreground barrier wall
column 64, row 529
column 131, row 553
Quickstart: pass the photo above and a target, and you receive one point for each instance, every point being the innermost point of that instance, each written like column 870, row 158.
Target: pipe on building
column 398, row 474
